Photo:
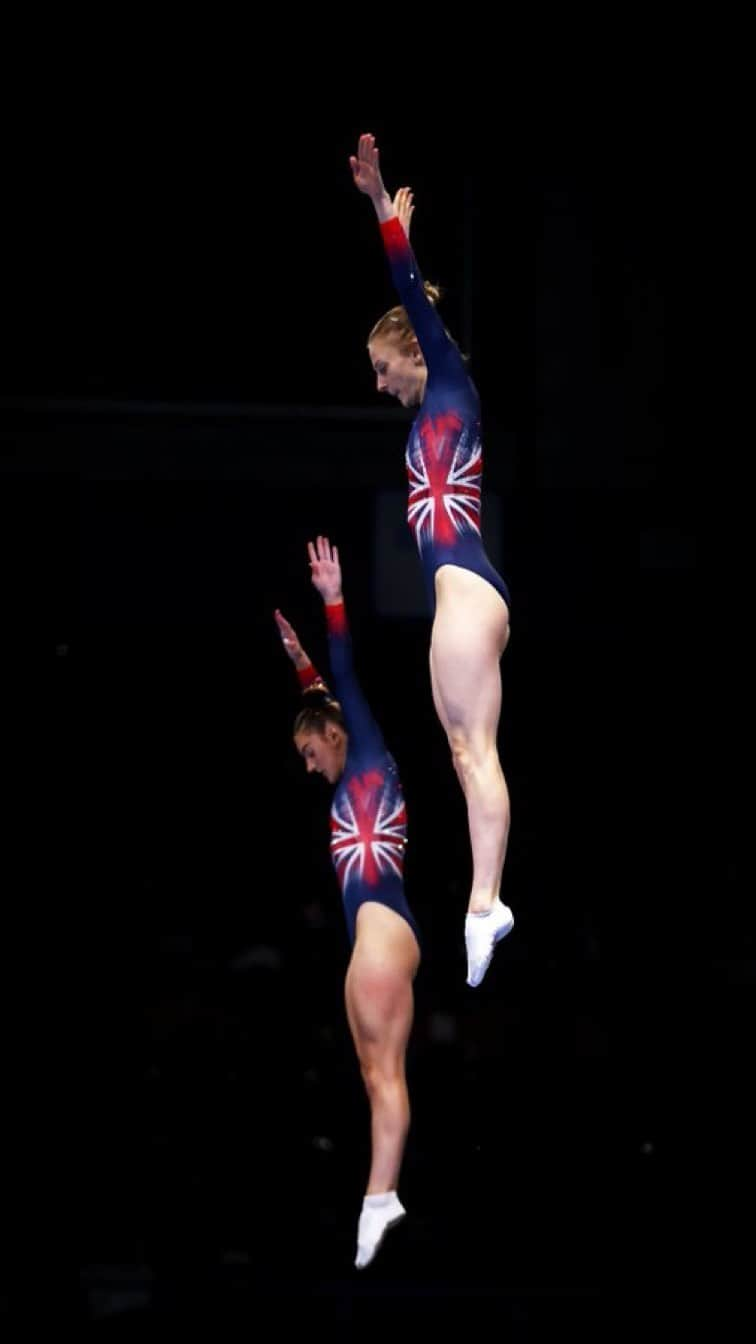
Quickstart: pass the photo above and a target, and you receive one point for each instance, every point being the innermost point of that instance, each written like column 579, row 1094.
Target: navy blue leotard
column 444, row 457
column 368, row 815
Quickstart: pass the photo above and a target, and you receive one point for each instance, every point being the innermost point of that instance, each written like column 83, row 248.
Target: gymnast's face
column 323, row 753
column 400, row 372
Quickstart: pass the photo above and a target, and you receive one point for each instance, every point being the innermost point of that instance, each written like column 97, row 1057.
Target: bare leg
column 470, row 633
column 380, row 1005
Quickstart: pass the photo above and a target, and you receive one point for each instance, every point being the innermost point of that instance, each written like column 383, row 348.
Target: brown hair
column 320, row 710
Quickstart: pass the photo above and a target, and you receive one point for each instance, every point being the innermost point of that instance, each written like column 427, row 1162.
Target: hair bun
column 320, row 695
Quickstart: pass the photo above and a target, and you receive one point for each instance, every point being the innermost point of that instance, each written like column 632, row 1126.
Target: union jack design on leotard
column 368, row 830
column 444, row 480
column 368, row 815
column 444, row 457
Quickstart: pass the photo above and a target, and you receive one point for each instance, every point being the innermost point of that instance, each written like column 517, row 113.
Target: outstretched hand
column 325, row 568
column 404, row 206
column 290, row 640
column 366, row 168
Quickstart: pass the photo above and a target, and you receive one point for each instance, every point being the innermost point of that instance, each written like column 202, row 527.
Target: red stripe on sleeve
column 394, row 238
column 335, row 618
column 308, row 676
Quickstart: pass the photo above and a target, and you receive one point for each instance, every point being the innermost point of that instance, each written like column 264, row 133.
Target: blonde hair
column 395, row 324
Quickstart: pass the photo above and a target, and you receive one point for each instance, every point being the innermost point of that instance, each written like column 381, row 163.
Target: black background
column 188, row 400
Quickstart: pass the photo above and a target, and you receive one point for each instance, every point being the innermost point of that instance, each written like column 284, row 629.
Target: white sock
column 482, row 932
column 379, row 1213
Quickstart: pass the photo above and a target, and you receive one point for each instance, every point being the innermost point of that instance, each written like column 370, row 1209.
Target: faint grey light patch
column 232, row 1257
column 666, row 548
column 314, row 915
column 115, row 1289
column 442, row 1028
column 262, row 956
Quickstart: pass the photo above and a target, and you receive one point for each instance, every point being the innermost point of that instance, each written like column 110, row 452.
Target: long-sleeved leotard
column 444, row 457
column 368, row 816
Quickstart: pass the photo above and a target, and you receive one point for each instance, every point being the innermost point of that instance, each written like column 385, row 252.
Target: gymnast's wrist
column 384, row 206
